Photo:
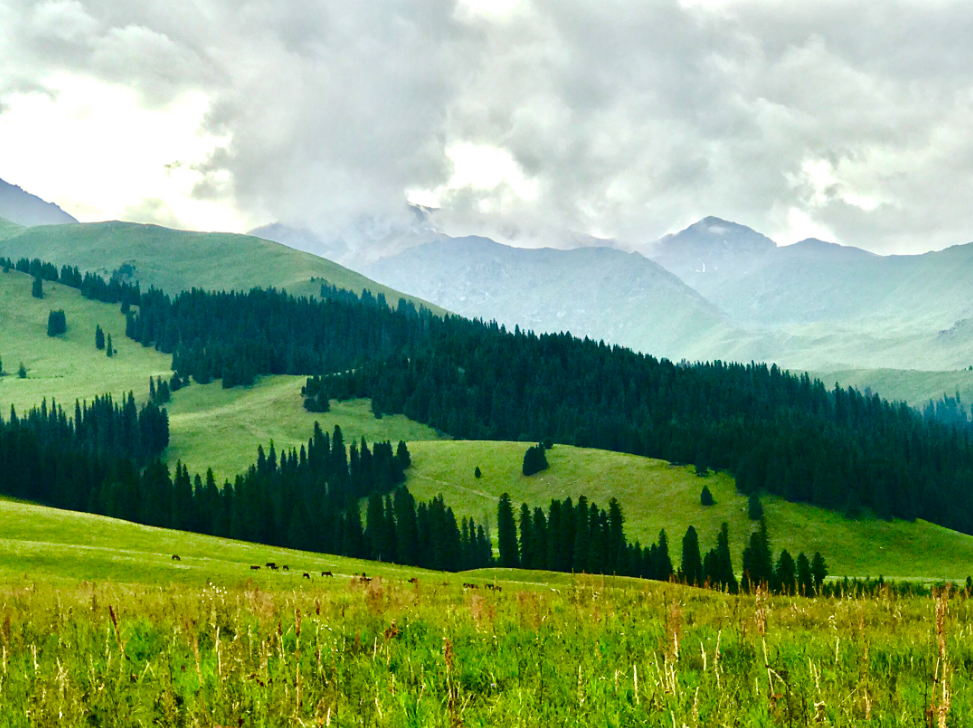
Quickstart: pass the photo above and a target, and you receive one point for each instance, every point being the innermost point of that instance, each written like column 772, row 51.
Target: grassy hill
column 906, row 385
column 9, row 229
column 656, row 495
column 210, row 426
column 175, row 260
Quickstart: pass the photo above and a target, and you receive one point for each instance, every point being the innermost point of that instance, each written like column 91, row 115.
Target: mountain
column 602, row 293
column 24, row 208
column 176, row 260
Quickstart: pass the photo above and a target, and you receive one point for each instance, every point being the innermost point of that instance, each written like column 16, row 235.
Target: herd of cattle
column 363, row 578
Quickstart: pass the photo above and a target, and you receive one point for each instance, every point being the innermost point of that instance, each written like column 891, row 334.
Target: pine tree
column 534, row 460
column 785, row 574
column 477, row 473
column 725, row 577
column 375, row 527
column 663, row 562
column 109, row 350
column 526, row 548
column 755, row 511
column 819, row 568
column 57, row 323
column 706, row 498
column 691, row 568
column 507, row 533
column 758, row 559
column 37, row 290
column 22, row 371
column 99, row 338
column 805, row 579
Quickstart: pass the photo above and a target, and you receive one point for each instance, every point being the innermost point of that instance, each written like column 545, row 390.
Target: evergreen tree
column 507, row 534
column 755, row 511
column 725, row 578
column 663, row 562
column 706, row 498
column 375, row 527
column 1, row 366
column 805, row 578
column 691, row 569
column 819, row 569
column 57, row 323
column 403, row 456
column 758, row 559
column 785, row 574
column 477, row 473
column 109, row 350
column 37, row 289
column 99, row 338
column 616, row 536
column 22, row 371
column 534, row 460
column 526, row 548
column 407, row 527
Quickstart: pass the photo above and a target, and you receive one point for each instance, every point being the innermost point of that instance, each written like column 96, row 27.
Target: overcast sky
column 532, row 121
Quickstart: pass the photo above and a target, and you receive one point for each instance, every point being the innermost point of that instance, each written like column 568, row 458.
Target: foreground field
column 389, row 653
column 657, row 495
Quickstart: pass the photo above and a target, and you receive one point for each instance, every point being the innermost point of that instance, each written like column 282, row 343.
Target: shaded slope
column 23, row 208
column 601, row 293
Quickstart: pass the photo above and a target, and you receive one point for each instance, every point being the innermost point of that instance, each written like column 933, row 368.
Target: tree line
column 774, row 431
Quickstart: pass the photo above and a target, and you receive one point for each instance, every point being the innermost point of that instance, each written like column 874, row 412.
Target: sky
column 535, row 122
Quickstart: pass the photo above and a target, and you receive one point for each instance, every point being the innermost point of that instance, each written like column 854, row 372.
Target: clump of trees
column 57, row 323
column 99, row 338
column 37, row 288
column 535, row 460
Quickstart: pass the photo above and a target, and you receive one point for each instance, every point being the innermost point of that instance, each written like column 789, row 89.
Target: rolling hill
column 175, row 260
column 24, row 208
column 601, row 293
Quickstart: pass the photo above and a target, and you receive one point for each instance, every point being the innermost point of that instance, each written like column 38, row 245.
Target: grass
column 221, row 428
column 9, row 229
column 913, row 386
column 175, row 260
column 656, row 495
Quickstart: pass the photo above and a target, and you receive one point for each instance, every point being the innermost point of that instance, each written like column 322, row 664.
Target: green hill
column 656, row 495
column 175, row 260
column 210, row 426
column 9, row 229
column 914, row 386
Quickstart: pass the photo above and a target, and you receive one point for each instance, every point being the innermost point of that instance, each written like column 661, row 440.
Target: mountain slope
column 9, row 229
column 24, row 208
column 601, row 293
column 175, row 260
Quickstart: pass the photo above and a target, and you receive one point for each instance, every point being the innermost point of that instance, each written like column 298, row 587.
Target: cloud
column 607, row 119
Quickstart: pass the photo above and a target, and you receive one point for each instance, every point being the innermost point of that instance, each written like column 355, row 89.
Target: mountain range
column 23, row 208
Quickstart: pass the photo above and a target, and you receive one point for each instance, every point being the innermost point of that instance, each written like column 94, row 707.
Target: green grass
column 66, row 367
column 655, row 495
column 221, row 428
column 175, row 260
column 914, row 386
column 9, row 229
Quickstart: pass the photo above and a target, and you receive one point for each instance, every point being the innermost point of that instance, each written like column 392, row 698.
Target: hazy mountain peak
column 23, row 208
column 714, row 233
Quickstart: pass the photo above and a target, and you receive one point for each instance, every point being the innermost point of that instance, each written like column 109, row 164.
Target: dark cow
column 254, row 568
column 414, row 581
column 306, row 575
column 175, row 557
column 285, row 567
column 271, row 565
column 326, row 573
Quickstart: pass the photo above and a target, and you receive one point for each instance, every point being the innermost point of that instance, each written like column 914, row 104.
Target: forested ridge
column 786, row 434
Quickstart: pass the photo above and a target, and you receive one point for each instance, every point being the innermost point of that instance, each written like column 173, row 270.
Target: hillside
column 175, row 260
column 23, row 208
column 209, row 426
column 602, row 293
column 916, row 387
column 9, row 229
column 656, row 495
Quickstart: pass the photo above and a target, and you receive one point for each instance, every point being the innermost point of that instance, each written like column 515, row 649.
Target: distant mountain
column 302, row 239
column 23, row 208
column 176, row 260
column 602, row 293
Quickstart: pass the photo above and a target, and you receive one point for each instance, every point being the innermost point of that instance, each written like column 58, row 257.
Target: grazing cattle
column 364, row 579
column 326, row 573
column 254, row 568
column 271, row 565
column 285, row 567
column 175, row 557
column 306, row 575
column 470, row 586
column 413, row 580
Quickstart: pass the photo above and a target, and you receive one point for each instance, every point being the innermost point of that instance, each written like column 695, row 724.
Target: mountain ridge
column 21, row 207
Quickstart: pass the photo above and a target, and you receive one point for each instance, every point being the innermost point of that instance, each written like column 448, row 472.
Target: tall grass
column 390, row 653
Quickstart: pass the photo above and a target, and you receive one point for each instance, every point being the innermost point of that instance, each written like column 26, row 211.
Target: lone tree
column 477, row 473
column 706, row 498
column 109, row 351
column 57, row 323
column 507, row 534
column 99, row 338
column 22, row 371
column 534, row 460
column 754, row 510
column 37, row 291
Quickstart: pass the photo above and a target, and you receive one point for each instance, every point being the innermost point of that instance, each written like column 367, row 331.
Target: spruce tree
column 526, row 548
column 785, row 574
column 99, row 338
column 37, row 289
column 507, row 533
column 22, row 371
column 109, row 350
column 819, row 568
column 755, row 511
column 724, row 561
column 691, row 567
column 805, row 579
column 706, row 498
column 57, row 323
column 534, row 460
column 477, row 473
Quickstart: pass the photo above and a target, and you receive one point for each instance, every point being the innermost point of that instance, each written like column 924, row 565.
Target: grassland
column 656, row 495
column 9, row 229
column 175, row 261
column 914, row 386
column 220, row 428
